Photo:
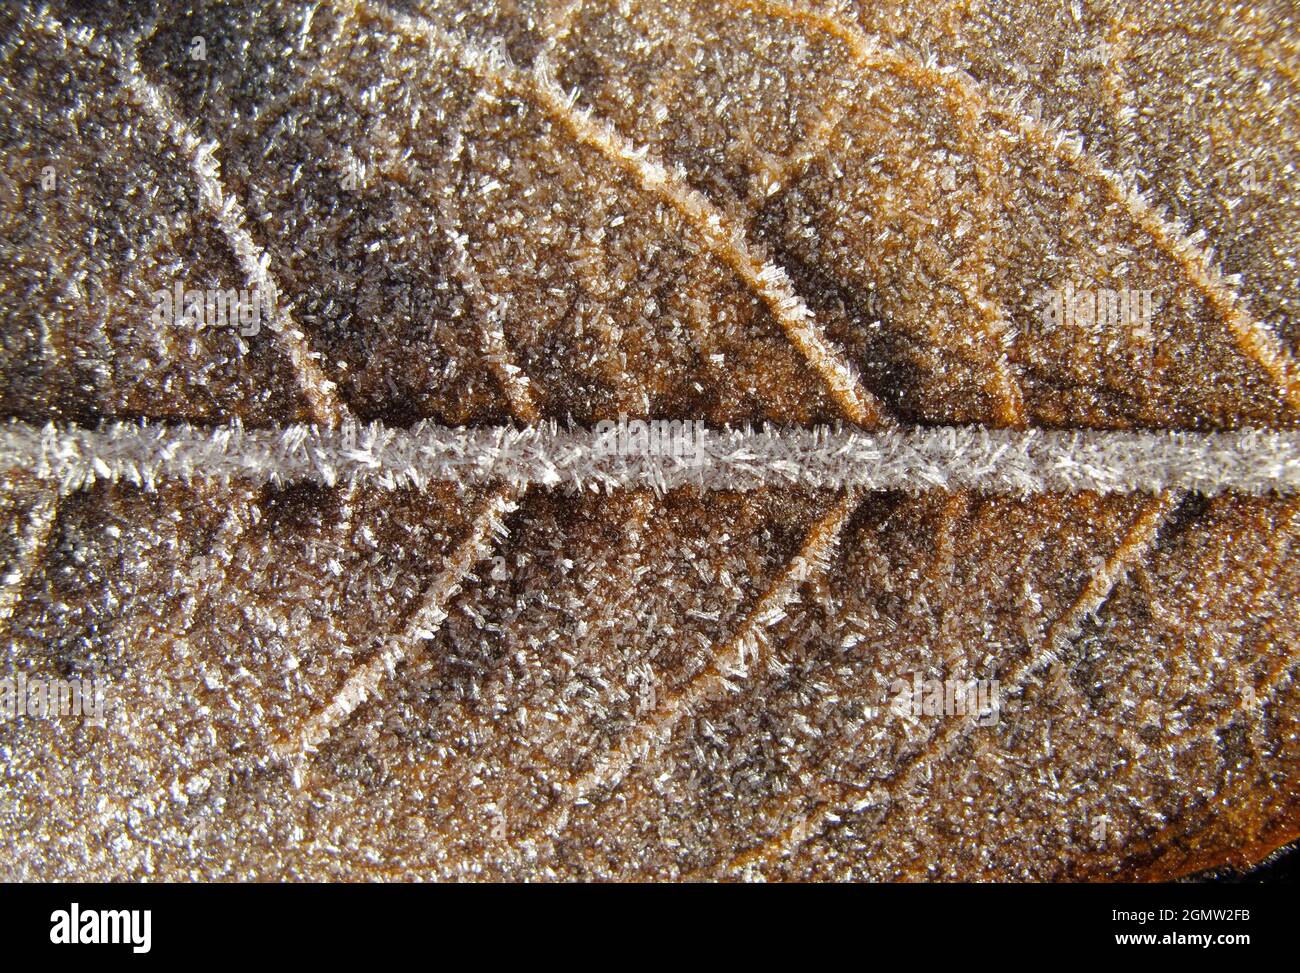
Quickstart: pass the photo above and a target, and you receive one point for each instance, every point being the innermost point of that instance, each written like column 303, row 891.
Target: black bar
column 564, row 925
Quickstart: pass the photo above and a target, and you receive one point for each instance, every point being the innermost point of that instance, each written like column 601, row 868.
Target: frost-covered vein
column 1001, row 384
column 328, row 409
column 1176, row 831
column 427, row 617
column 318, row 390
column 198, row 779
column 954, row 509
column 623, row 580
column 1003, row 387
column 1256, row 341
column 600, row 616
column 1112, row 74
column 1136, row 543
column 1262, row 693
column 1134, row 548
column 719, row 234
column 771, row 283
column 514, row 383
column 727, row 662
column 1000, row 461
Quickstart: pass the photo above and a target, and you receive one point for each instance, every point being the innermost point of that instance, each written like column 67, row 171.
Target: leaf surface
column 731, row 211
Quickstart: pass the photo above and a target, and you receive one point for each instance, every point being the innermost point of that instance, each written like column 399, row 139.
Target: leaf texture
column 742, row 212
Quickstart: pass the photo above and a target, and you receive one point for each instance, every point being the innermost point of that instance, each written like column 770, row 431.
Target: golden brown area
column 747, row 211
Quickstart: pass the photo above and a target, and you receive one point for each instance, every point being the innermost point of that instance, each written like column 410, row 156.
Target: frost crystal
column 369, row 598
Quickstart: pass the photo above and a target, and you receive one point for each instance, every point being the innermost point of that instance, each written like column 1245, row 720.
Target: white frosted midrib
column 994, row 461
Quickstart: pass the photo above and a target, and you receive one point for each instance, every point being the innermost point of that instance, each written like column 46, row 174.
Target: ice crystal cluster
column 368, row 602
